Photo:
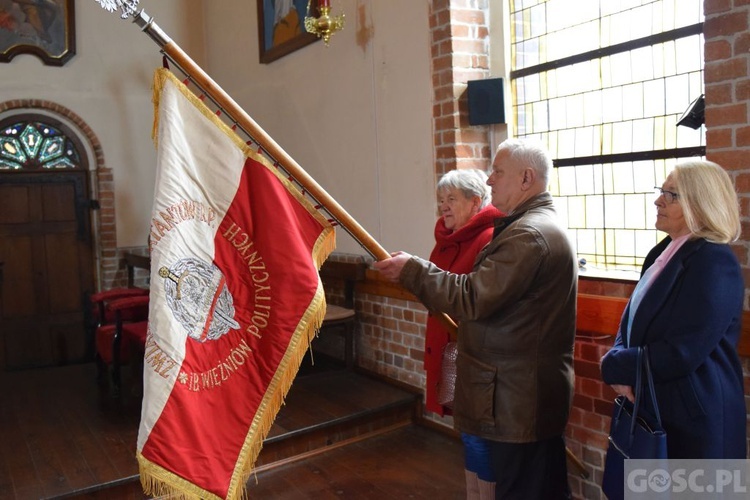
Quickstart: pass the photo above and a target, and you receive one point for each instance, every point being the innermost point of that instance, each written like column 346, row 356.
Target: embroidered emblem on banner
column 198, row 297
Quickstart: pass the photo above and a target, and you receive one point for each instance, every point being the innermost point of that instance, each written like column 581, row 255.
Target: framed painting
column 281, row 27
column 44, row 28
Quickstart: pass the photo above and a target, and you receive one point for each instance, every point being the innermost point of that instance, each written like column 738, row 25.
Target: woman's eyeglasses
column 669, row 196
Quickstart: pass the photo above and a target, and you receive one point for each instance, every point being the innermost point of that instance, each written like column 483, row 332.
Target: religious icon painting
column 44, row 28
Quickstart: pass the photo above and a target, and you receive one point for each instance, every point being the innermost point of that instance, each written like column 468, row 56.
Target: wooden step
column 327, row 407
column 333, row 408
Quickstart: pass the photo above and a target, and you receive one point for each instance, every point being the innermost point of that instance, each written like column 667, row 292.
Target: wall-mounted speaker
column 486, row 104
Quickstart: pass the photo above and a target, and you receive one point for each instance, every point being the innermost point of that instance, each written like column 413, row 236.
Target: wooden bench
column 135, row 261
column 339, row 275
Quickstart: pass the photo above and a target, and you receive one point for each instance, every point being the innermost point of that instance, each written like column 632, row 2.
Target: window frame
column 613, row 263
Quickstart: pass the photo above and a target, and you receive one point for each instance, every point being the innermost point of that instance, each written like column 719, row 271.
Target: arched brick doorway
column 55, row 246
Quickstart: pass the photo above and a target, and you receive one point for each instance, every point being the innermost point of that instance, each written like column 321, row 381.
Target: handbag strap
column 650, row 379
column 643, row 365
column 638, row 391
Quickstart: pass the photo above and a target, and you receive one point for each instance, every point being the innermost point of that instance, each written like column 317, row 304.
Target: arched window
column 38, row 143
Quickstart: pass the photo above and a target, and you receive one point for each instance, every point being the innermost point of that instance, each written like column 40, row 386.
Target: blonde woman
column 687, row 309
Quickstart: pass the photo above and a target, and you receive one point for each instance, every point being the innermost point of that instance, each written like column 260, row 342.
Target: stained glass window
column 34, row 145
column 602, row 84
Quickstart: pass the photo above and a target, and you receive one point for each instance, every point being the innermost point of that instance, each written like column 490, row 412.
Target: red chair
column 101, row 314
column 120, row 331
column 97, row 314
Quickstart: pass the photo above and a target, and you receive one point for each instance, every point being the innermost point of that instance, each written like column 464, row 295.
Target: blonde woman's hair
column 708, row 201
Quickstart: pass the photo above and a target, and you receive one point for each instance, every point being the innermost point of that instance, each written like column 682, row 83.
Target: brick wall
column 727, row 81
column 460, row 52
column 588, row 427
column 392, row 338
column 727, row 57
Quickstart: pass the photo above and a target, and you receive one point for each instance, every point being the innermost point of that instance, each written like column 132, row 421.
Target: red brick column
column 460, row 52
column 727, row 81
column 727, row 58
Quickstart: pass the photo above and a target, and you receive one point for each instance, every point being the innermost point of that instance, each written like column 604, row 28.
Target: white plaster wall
column 356, row 115
column 108, row 84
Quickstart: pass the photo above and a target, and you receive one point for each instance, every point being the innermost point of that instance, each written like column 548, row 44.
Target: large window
column 603, row 84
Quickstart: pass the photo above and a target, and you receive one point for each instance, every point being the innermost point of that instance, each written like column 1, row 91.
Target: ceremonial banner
column 235, row 300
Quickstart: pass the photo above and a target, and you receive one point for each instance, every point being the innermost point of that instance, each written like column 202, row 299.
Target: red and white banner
column 235, row 300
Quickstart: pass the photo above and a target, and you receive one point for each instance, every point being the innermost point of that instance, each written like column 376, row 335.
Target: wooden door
column 45, row 245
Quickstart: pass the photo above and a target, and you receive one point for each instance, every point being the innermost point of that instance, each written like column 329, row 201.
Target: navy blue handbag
column 630, row 435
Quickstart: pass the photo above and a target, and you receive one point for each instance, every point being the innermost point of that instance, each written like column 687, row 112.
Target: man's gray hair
column 472, row 182
column 531, row 153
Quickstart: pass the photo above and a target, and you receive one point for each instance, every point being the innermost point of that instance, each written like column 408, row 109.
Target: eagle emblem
column 128, row 7
column 197, row 294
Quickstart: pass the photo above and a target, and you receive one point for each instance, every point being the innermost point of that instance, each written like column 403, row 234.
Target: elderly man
column 516, row 312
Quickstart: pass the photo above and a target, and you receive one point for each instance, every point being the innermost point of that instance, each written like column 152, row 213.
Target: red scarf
column 455, row 251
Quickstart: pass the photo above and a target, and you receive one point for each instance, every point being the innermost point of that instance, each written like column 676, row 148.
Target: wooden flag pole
column 236, row 113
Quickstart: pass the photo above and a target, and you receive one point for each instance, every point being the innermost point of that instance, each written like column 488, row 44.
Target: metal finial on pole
column 147, row 24
column 128, row 7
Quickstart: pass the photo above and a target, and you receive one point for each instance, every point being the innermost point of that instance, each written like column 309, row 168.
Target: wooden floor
column 411, row 462
column 61, row 437
column 59, row 434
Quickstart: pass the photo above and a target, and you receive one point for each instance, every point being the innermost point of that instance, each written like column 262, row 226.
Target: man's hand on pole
column 391, row 268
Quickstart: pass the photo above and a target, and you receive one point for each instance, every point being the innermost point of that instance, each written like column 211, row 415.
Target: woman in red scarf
column 464, row 227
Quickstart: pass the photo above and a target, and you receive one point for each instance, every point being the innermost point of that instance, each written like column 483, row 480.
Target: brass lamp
column 324, row 25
